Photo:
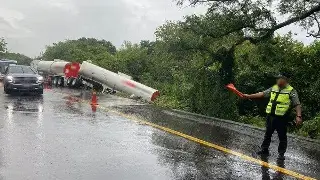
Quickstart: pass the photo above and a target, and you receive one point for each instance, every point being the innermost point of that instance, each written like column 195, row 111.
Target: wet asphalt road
column 58, row 137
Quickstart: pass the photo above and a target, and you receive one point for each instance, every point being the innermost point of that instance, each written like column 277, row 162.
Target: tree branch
column 296, row 19
column 194, row 2
column 269, row 32
column 313, row 33
column 203, row 1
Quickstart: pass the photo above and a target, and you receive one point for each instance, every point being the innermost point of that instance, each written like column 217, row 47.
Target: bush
column 169, row 102
column 253, row 120
column 311, row 128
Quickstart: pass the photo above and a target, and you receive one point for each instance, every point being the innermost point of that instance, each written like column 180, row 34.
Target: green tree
column 80, row 50
column 237, row 21
column 133, row 59
column 20, row 58
column 4, row 54
column 101, row 52
column 258, row 19
column 3, row 45
column 201, row 57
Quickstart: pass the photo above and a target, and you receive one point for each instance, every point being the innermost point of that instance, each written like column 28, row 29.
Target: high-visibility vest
column 280, row 101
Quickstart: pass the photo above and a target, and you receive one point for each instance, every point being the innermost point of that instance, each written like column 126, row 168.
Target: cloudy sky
column 29, row 25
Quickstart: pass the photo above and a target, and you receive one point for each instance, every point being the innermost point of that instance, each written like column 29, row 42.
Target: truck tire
column 60, row 81
column 40, row 92
column 97, row 87
column 75, row 83
column 69, row 82
column 7, row 91
column 55, row 81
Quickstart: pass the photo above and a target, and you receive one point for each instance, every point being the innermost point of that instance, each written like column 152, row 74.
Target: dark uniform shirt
column 293, row 96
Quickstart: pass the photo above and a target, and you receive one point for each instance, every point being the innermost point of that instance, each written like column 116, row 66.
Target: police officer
column 283, row 98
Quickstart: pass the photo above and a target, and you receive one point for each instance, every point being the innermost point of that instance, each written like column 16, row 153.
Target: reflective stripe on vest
column 280, row 102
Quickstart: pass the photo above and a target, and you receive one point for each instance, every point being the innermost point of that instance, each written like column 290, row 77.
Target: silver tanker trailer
column 52, row 70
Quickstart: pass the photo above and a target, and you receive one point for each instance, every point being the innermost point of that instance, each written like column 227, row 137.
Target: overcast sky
column 29, row 25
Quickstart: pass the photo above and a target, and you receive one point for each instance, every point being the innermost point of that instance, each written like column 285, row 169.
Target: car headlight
column 40, row 79
column 10, row 79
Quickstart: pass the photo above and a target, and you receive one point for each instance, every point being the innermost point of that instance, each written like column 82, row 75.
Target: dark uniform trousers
column 279, row 124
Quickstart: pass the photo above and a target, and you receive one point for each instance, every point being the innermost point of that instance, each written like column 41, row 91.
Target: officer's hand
column 298, row 121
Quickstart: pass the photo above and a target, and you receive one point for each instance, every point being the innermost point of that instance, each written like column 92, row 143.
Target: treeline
column 5, row 54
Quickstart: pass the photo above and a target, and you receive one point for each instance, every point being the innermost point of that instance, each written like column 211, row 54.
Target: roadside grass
column 311, row 128
column 253, row 120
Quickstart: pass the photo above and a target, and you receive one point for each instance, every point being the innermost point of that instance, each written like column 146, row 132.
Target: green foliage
column 22, row 59
column 209, row 97
column 133, row 59
column 169, row 102
column 311, row 128
column 3, row 46
column 259, row 19
column 101, row 52
column 4, row 54
column 253, row 120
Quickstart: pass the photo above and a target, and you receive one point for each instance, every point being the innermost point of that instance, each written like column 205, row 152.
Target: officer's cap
column 283, row 75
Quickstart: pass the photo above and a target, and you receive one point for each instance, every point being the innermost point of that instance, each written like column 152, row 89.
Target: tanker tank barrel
column 118, row 82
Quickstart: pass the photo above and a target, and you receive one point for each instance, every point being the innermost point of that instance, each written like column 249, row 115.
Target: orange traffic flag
column 233, row 89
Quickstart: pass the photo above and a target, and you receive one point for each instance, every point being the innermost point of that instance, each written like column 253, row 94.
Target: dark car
column 4, row 63
column 22, row 79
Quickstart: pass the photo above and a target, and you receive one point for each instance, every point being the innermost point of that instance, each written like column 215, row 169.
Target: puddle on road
column 25, row 108
column 24, row 104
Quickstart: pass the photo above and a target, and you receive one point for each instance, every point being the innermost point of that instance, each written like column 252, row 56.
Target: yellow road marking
column 205, row 143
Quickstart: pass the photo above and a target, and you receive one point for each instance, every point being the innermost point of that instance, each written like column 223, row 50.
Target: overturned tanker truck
column 88, row 75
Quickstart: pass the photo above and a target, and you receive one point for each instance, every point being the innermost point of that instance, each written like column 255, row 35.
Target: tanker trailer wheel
column 74, row 83
column 55, row 81
column 69, row 82
column 97, row 87
column 60, row 81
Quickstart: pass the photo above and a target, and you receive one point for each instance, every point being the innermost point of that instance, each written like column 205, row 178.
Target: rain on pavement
column 56, row 136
